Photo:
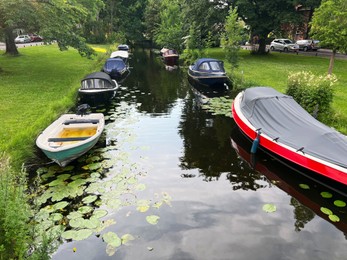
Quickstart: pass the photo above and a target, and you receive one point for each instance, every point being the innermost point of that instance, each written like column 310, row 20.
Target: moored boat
column 116, row 68
column 97, row 87
column 124, row 55
column 276, row 122
column 208, row 72
column 71, row 136
column 170, row 57
column 123, row 47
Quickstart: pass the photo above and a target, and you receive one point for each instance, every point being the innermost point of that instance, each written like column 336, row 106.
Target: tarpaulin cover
column 280, row 116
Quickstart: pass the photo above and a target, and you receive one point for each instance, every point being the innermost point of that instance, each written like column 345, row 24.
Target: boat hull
column 310, row 162
column 208, row 79
column 70, row 136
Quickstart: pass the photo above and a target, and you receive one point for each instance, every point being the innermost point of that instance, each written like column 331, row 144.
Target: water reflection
column 307, row 197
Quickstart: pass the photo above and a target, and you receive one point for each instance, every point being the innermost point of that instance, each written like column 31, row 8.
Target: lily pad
column 99, row 213
column 89, row 199
column 326, row 211
column 85, row 209
column 126, row 238
column 60, row 205
column 339, row 203
column 304, row 186
column 269, row 208
column 112, row 239
column 326, row 195
column 334, row 218
column 152, row 219
column 77, row 235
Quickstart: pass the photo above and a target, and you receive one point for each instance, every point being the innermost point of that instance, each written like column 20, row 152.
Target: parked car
column 22, row 39
column 35, row 38
column 308, row 45
column 283, row 45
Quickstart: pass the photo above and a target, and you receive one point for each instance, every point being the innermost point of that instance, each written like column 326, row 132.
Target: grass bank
column 273, row 69
column 35, row 88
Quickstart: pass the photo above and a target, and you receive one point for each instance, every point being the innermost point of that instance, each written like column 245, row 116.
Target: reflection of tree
column 302, row 214
column 207, row 148
column 151, row 85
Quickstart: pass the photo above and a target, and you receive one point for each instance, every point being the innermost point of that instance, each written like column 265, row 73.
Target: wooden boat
column 116, row 68
column 208, row 72
column 71, row 136
column 170, row 57
column 98, row 87
column 280, row 125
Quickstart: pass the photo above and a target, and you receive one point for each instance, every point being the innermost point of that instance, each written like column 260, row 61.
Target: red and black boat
column 276, row 122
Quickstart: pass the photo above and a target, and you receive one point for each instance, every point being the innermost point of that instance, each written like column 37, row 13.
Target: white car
column 283, row 45
column 22, row 39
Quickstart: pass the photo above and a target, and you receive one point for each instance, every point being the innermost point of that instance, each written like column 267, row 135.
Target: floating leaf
column 142, row 205
column 326, row 195
column 112, row 239
column 68, row 234
column 326, row 211
column 126, row 238
column 74, row 215
column 85, row 209
column 77, row 223
column 110, row 250
column 334, row 218
column 304, row 186
column 56, row 216
column 60, row 205
column 82, row 234
column 339, row 203
column 89, row 199
column 99, row 213
column 269, row 208
column 153, row 219
column 140, row 187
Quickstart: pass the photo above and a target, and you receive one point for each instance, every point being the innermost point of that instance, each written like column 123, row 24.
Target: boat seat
column 81, row 121
column 67, row 139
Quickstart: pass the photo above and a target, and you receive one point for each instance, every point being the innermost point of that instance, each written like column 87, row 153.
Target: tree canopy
column 329, row 25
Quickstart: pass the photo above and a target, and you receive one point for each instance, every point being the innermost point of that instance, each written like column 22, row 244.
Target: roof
column 198, row 62
column 280, row 116
column 98, row 75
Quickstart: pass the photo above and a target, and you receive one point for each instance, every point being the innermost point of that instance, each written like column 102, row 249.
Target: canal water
column 199, row 193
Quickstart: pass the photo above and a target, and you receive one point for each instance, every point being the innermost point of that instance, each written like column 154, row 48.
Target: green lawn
column 273, row 69
column 35, row 88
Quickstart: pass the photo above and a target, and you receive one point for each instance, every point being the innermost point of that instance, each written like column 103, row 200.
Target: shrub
column 313, row 93
column 14, row 212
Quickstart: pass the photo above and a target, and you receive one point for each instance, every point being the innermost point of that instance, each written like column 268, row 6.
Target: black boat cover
column 99, row 75
column 280, row 116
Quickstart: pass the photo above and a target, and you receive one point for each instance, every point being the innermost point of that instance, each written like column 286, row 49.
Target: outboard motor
column 83, row 109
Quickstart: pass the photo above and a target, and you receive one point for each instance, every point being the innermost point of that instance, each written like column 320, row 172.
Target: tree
column 264, row 17
column 57, row 20
column 329, row 25
column 232, row 37
column 169, row 32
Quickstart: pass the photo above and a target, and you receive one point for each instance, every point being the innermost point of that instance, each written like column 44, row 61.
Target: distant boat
column 116, row 68
column 97, row 86
column 208, row 72
column 71, row 136
column 277, row 123
column 124, row 55
column 170, row 57
column 123, row 47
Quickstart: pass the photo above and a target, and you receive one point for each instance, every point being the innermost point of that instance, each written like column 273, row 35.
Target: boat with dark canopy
column 116, row 68
column 97, row 86
column 276, row 122
column 208, row 72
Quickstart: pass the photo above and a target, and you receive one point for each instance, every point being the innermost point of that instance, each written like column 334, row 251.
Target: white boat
column 71, row 136
column 124, row 55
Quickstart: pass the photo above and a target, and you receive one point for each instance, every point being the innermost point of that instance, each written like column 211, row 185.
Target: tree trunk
column 331, row 64
column 11, row 47
column 262, row 46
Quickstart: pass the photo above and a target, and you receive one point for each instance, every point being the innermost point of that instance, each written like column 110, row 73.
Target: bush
column 313, row 93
